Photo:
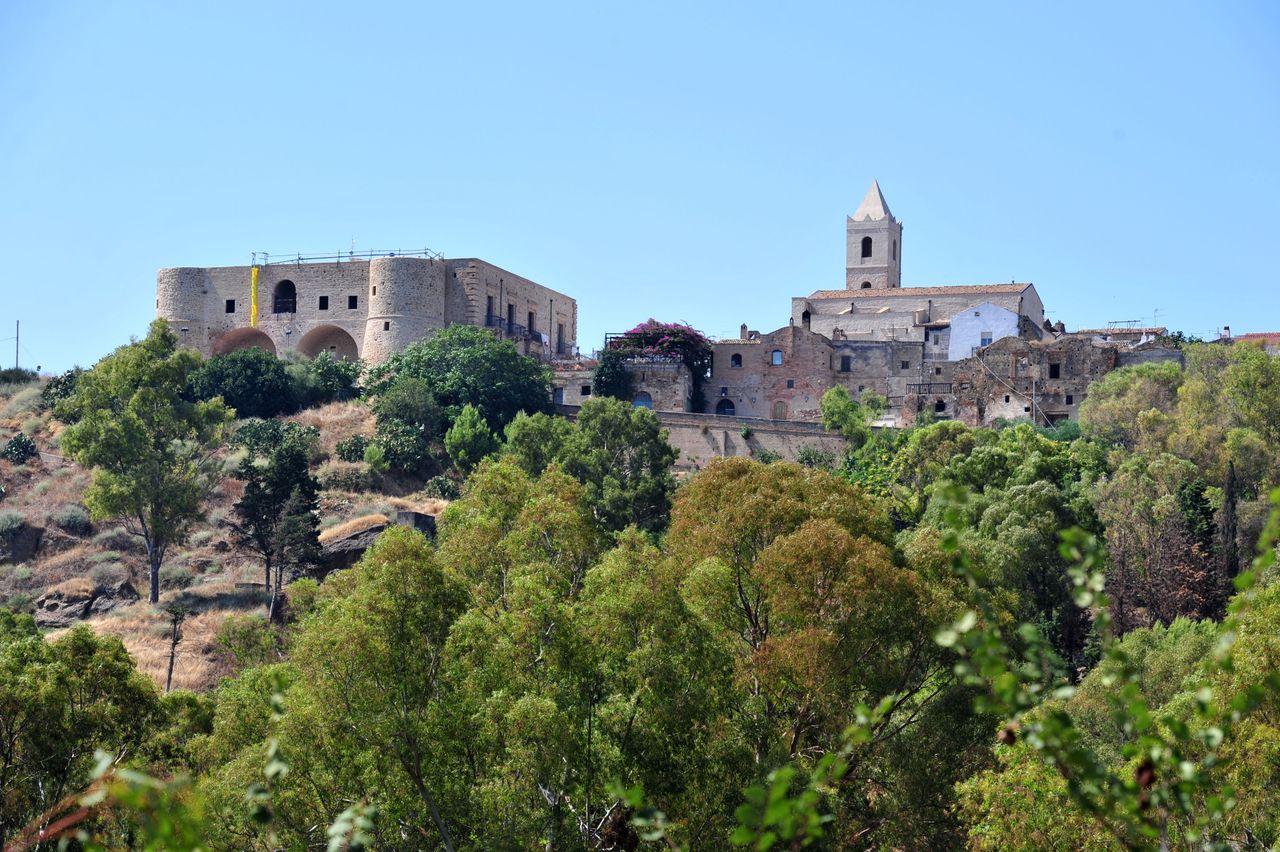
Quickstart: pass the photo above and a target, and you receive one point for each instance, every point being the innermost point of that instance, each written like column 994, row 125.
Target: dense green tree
column 463, row 365
column 151, row 450
column 251, row 381
column 851, row 418
column 611, row 377
column 469, row 439
column 537, row 440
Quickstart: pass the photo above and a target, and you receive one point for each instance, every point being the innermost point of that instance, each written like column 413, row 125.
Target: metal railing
column 930, row 387
column 511, row 328
column 263, row 258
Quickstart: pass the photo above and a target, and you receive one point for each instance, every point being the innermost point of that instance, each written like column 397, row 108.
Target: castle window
column 791, row 383
column 866, row 285
column 559, row 337
column 642, row 400
column 586, row 390
column 285, row 299
column 231, row 306
column 777, row 358
column 1055, row 371
column 1026, row 408
column 906, row 365
column 530, row 324
column 895, row 249
column 804, row 319
column 557, row 396
column 937, row 371
column 488, row 311
column 939, row 406
column 866, row 247
column 735, row 361
column 324, row 303
column 386, row 326
column 779, row 410
column 724, row 391
column 1006, row 397
column 375, row 289
column 1071, row 400
column 846, row 362
column 511, row 319
column 352, row 302
column 726, row 408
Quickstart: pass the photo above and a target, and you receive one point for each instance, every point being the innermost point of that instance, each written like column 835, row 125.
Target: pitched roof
column 873, row 205
column 1124, row 331
column 1264, row 336
column 955, row 290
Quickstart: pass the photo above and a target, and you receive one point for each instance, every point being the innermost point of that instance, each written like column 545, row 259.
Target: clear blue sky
column 685, row 161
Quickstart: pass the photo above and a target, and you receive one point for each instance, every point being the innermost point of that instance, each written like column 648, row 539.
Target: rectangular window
column 1006, row 397
column 1055, row 371
column 937, row 371
column 324, row 303
column 375, row 289
column 488, row 310
column 845, row 363
column 386, row 325
column 906, row 365
column 586, row 390
column 560, row 338
column 935, row 338
column 511, row 318
column 791, row 383
column 231, row 306
column 724, row 391
column 986, row 339
column 352, row 301
column 1071, row 400
column 530, row 325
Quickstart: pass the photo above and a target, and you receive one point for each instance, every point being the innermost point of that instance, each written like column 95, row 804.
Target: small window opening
column 777, row 358
column 937, row 371
column 375, row 289
column 1006, row 397
column 231, row 306
column 866, row 285
column 804, row 319
column 735, row 361
column 906, row 365
column 324, row 303
column 352, row 302
column 986, row 338
column 939, row 406
column 285, row 300
column 386, row 325
column 791, row 383
column 586, row 390
column 895, row 249
column 724, row 391
column 866, row 247
column 846, row 362
column 1071, row 400
column 725, row 408
column 1055, row 371
column 1026, row 408
column 529, row 325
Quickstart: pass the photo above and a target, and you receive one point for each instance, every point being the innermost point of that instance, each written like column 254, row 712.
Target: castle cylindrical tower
column 182, row 300
column 406, row 303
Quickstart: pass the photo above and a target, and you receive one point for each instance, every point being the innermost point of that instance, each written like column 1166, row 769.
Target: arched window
column 866, row 247
column 804, row 319
column 725, row 407
column 777, row 358
column 735, row 361
column 866, row 285
column 779, row 410
column 642, row 400
column 285, row 300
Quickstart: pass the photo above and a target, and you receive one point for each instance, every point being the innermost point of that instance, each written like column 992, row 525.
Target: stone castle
column 359, row 308
column 973, row 353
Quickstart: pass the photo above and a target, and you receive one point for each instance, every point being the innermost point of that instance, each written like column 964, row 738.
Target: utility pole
column 17, row 335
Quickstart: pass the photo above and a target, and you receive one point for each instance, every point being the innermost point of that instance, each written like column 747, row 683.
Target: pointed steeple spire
column 873, row 206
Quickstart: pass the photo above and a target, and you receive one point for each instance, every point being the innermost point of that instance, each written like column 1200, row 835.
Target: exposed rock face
column 20, row 544
column 344, row 552
column 68, row 603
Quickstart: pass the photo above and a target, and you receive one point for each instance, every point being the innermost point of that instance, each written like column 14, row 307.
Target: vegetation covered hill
column 948, row 638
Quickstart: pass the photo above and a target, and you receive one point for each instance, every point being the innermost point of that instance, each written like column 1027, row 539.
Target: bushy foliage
column 72, row 518
column 18, row 376
column 60, row 387
column 351, row 449
column 440, row 487
column 355, row 477
column 18, row 449
column 665, row 340
column 252, row 382
column 465, row 365
column 469, row 439
column 610, row 377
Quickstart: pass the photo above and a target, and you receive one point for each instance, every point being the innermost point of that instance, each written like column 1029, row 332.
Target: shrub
column 410, row 401
column 18, row 449
column 376, row 458
column 746, row 433
column 260, row 437
column 72, row 518
column 118, row 538
column 11, row 521
column 302, row 595
column 814, row 457
column 108, row 573
column 251, row 381
column 345, row 476
column 352, row 449
column 611, row 377
column 61, row 387
column 17, row 376
column 201, row 538
column 176, row 577
column 440, row 488
column 248, row 639
column 469, row 439
column 405, row 447
column 767, row 457
column 105, row 556
column 24, row 401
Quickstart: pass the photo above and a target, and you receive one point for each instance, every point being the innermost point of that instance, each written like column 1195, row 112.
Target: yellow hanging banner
column 253, row 296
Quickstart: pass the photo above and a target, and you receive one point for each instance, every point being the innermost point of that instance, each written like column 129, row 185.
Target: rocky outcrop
column 20, row 544
column 344, row 552
column 67, row 603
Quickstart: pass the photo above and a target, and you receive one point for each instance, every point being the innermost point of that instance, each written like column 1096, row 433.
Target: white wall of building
column 975, row 323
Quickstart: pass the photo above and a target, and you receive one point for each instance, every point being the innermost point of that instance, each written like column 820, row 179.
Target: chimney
column 1226, row 332
column 742, row 335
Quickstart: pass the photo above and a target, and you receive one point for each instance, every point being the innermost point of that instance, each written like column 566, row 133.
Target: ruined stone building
column 366, row 308
column 972, row 352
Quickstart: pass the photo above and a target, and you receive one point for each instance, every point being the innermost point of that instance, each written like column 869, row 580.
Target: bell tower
column 873, row 254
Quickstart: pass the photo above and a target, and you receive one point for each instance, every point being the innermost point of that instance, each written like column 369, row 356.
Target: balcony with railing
column 929, row 387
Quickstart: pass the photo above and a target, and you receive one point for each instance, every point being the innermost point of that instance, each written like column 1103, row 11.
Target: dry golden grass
column 336, row 421
column 65, row 565
column 199, row 663
column 76, row 587
column 353, row 526
column 425, row 505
